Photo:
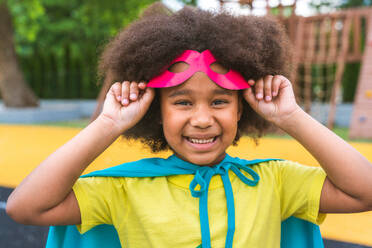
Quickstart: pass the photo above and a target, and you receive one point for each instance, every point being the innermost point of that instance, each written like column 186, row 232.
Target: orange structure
column 361, row 122
column 326, row 43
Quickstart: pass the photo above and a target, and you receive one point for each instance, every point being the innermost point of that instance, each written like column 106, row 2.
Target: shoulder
column 119, row 183
column 286, row 169
column 282, row 164
column 101, row 184
column 273, row 166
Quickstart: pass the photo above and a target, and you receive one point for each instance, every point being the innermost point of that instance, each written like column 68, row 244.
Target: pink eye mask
column 232, row 80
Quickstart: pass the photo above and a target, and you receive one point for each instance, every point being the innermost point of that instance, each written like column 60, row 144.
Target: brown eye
column 183, row 103
column 178, row 67
column 219, row 102
column 216, row 67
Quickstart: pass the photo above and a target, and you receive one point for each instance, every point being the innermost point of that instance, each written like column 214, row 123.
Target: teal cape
column 294, row 232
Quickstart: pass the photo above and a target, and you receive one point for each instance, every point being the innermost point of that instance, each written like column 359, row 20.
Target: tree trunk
column 13, row 88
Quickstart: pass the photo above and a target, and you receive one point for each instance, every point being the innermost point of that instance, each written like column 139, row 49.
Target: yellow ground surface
column 22, row 148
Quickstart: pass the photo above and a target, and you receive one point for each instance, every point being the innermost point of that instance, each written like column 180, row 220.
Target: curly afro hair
column 254, row 46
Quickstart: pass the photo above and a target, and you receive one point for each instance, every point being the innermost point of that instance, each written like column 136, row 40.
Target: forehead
column 198, row 85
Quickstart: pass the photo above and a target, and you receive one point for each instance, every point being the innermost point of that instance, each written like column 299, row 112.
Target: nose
column 202, row 117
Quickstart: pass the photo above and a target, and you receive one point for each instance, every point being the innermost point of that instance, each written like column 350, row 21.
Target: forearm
column 50, row 183
column 345, row 167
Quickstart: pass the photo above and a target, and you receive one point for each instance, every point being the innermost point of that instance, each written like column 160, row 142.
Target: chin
column 204, row 160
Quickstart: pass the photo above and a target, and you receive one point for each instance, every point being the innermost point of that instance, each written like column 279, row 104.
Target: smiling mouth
column 201, row 141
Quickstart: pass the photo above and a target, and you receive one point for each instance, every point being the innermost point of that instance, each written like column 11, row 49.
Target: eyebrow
column 189, row 92
column 223, row 92
column 180, row 93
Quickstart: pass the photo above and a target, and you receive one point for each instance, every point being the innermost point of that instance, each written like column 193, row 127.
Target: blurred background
column 49, row 89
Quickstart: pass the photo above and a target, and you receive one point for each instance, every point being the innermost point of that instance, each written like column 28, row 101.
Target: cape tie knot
column 223, row 168
column 204, row 174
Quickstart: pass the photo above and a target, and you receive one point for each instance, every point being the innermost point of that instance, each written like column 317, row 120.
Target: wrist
column 291, row 119
column 108, row 124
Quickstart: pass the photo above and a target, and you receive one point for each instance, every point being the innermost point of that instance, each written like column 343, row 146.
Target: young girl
column 194, row 82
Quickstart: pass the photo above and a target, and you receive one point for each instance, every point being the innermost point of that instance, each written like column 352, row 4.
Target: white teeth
column 201, row 141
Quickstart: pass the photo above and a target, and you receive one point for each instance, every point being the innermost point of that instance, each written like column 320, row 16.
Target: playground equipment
column 323, row 44
column 326, row 43
column 361, row 122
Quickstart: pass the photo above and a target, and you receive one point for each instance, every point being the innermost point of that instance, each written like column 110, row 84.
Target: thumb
column 250, row 97
column 112, row 94
column 147, row 97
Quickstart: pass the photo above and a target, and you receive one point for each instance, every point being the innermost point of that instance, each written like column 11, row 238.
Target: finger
column 258, row 89
column 133, row 91
column 249, row 96
column 251, row 82
column 267, row 87
column 276, row 84
column 144, row 103
column 115, row 90
column 142, row 85
column 148, row 96
column 125, row 93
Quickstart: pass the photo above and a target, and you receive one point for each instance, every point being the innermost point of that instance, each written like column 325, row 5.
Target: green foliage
column 53, row 23
column 287, row 11
column 190, row 2
column 58, row 41
column 354, row 3
column 322, row 5
column 26, row 15
column 349, row 81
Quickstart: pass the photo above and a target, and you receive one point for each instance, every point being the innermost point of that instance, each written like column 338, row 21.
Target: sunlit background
column 49, row 88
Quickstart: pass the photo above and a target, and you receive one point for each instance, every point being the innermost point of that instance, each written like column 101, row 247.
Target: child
column 197, row 103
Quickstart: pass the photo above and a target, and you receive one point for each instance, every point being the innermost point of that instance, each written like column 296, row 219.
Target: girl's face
column 199, row 118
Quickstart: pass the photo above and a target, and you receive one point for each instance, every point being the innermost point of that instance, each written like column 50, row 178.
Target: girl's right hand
column 126, row 103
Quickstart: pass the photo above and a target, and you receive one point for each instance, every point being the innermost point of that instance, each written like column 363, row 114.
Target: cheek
column 231, row 122
column 172, row 125
column 232, row 126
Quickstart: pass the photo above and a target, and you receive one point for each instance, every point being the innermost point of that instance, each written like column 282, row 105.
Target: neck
column 213, row 163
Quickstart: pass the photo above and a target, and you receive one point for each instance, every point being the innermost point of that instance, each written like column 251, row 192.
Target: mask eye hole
column 178, row 67
column 218, row 68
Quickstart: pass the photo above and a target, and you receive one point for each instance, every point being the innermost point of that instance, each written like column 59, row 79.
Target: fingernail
column 275, row 93
column 119, row 98
column 125, row 101
column 259, row 95
column 268, row 98
column 133, row 96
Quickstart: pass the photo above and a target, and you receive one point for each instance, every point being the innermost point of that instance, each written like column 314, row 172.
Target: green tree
column 353, row 3
column 55, row 29
column 190, row 2
column 14, row 90
column 324, row 5
column 82, row 23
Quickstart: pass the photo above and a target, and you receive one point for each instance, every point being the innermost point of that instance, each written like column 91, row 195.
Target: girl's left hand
column 272, row 97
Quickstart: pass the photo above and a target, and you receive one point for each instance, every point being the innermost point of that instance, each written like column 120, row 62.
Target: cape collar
column 184, row 181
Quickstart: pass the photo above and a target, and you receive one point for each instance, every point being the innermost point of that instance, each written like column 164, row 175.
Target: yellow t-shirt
column 160, row 211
